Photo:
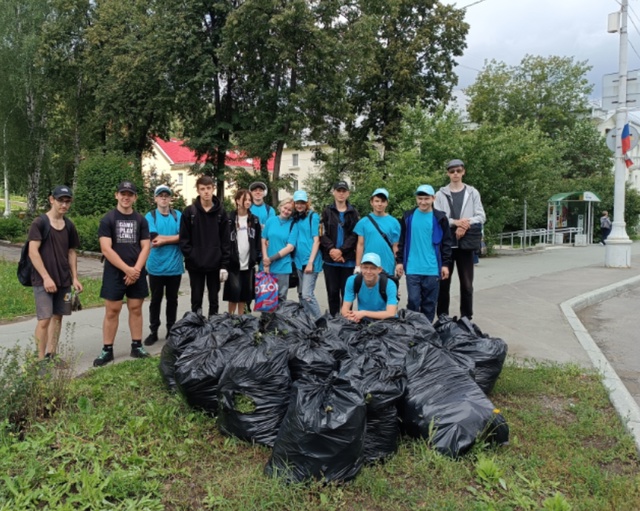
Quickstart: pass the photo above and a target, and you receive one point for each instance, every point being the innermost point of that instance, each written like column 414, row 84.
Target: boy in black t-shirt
column 125, row 245
column 55, row 269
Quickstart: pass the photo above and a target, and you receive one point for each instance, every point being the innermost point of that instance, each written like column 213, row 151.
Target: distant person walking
column 463, row 207
column 55, row 269
column 205, row 244
column 424, row 252
column 165, row 264
column 125, row 245
column 605, row 227
column 246, row 251
column 338, row 244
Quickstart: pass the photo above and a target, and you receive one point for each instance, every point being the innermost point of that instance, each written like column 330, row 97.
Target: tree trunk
column 276, row 170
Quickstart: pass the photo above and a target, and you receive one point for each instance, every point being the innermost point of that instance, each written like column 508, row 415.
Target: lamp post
column 618, row 248
column 7, row 203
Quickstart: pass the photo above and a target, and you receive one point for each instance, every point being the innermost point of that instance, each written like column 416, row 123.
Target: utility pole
column 618, row 248
column 7, row 203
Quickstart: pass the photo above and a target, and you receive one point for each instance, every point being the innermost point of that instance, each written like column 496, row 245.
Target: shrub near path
column 122, row 442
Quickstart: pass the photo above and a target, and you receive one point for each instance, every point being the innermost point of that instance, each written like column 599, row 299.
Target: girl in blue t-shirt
column 307, row 257
column 276, row 248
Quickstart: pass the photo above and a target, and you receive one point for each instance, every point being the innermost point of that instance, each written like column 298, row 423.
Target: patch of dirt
column 559, row 407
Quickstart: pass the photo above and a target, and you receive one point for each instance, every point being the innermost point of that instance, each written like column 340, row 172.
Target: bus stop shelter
column 571, row 214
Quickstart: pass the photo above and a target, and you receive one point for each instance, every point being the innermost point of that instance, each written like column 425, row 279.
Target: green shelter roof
column 575, row 196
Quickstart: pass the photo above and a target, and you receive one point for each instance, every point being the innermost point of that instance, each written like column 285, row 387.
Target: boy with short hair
column 55, row 269
column 125, row 245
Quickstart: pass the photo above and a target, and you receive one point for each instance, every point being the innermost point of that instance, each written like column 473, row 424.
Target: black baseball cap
column 127, row 186
column 341, row 185
column 257, row 184
column 62, row 191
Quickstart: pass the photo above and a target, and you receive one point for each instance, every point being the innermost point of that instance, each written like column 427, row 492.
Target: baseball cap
column 300, row 195
column 380, row 191
column 455, row 163
column 257, row 184
column 425, row 190
column 61, row 191
column 341, row 185
column 127, row 186
column 162, row 189
column 371, row 258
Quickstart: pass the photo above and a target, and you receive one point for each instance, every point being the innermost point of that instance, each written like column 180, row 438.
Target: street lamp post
column 618, row 248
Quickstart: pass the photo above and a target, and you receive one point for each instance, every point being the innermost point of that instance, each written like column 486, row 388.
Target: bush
column 29, row 389
column 98, row 178
column 87, row 227
column 13, row 228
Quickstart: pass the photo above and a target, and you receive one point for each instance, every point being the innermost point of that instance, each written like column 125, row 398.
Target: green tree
column 400, row 52
column 552, row 92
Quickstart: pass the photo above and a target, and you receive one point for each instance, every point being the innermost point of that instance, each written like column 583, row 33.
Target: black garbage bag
column 192, row 326
column 308, row 356
column 254, row 391
column 237, row 334
column 197, row 374
column 322, row 435
column 445, row 406
column 377, row 338
column 487, row 353
column 382, row 386
column 288, row 317
column 339, row 326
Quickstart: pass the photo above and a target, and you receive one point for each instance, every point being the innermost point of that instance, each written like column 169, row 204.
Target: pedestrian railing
column 530, row 237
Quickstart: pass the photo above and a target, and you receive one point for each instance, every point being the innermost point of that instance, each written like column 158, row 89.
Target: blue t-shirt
column 373, row 241
column 263, row 212
column 166, row 260
column 301, row 237
column 369, row 299
column 422, row 258
column 277, row 232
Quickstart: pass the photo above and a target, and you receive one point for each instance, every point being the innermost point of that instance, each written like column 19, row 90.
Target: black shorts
column 114, row 289
column 239, row 287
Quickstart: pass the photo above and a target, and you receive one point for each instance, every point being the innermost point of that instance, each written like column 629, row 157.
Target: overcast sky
column 507, row 30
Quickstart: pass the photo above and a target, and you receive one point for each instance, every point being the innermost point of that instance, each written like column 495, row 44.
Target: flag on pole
column 626, row 145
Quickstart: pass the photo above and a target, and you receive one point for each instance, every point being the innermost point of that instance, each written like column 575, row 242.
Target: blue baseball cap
column 371, row 258
column 300, row 195
column 380, row 191
column 425, row 190
column 162, row 189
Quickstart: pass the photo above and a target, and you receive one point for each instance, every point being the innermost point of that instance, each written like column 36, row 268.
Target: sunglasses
column 65, row 201
column 455, row 171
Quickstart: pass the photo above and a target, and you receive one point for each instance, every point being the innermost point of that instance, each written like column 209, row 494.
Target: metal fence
column 531, row 237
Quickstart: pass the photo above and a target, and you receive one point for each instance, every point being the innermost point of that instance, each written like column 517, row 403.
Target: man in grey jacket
column 463, row 206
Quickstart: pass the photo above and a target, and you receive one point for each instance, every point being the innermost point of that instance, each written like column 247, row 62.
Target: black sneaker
column 151, row 339
column 104, row 358
column 139, row 352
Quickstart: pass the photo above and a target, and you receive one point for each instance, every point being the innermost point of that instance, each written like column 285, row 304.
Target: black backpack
column 25, row 267
column 382, row 284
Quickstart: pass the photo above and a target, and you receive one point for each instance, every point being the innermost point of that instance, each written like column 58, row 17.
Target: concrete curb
column 620, row 397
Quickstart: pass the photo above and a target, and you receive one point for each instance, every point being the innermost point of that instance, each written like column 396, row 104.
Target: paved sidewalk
column 522, row 299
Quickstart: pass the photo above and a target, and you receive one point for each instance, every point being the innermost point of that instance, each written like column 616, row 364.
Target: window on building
column 295, row 185
column 180, row 178
column 294, row 160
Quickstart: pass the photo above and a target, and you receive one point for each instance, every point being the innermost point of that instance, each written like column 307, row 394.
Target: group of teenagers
column 363, row 257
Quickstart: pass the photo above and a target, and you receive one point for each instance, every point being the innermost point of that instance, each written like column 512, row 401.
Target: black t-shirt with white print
column 126, row 232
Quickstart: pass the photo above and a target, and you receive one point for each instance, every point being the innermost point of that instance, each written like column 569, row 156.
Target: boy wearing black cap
column 259, row 207
column 55, row 268
column 338, row 244
column 125, row 245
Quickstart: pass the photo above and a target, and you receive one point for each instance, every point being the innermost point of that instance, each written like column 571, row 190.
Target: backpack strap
column 384, row 236
column 382, row 285
column 171, row 211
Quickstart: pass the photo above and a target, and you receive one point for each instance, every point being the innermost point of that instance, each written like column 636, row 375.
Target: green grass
column 122, row 442
column 17, row 300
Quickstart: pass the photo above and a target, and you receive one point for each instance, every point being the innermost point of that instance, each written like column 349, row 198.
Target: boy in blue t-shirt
column 378, row 233
column 371, row 304
column 259, row 207
column 424, row 252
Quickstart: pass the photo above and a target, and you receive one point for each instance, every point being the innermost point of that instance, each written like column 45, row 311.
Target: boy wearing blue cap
column 424, row 252
column 378, row 233
column 376, row 293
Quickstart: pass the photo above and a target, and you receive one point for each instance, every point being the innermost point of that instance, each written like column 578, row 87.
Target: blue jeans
column 306, row 293
column 423, row 294
column 283, row 285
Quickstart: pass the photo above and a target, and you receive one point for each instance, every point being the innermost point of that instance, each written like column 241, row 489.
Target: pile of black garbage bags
column 331, row 395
